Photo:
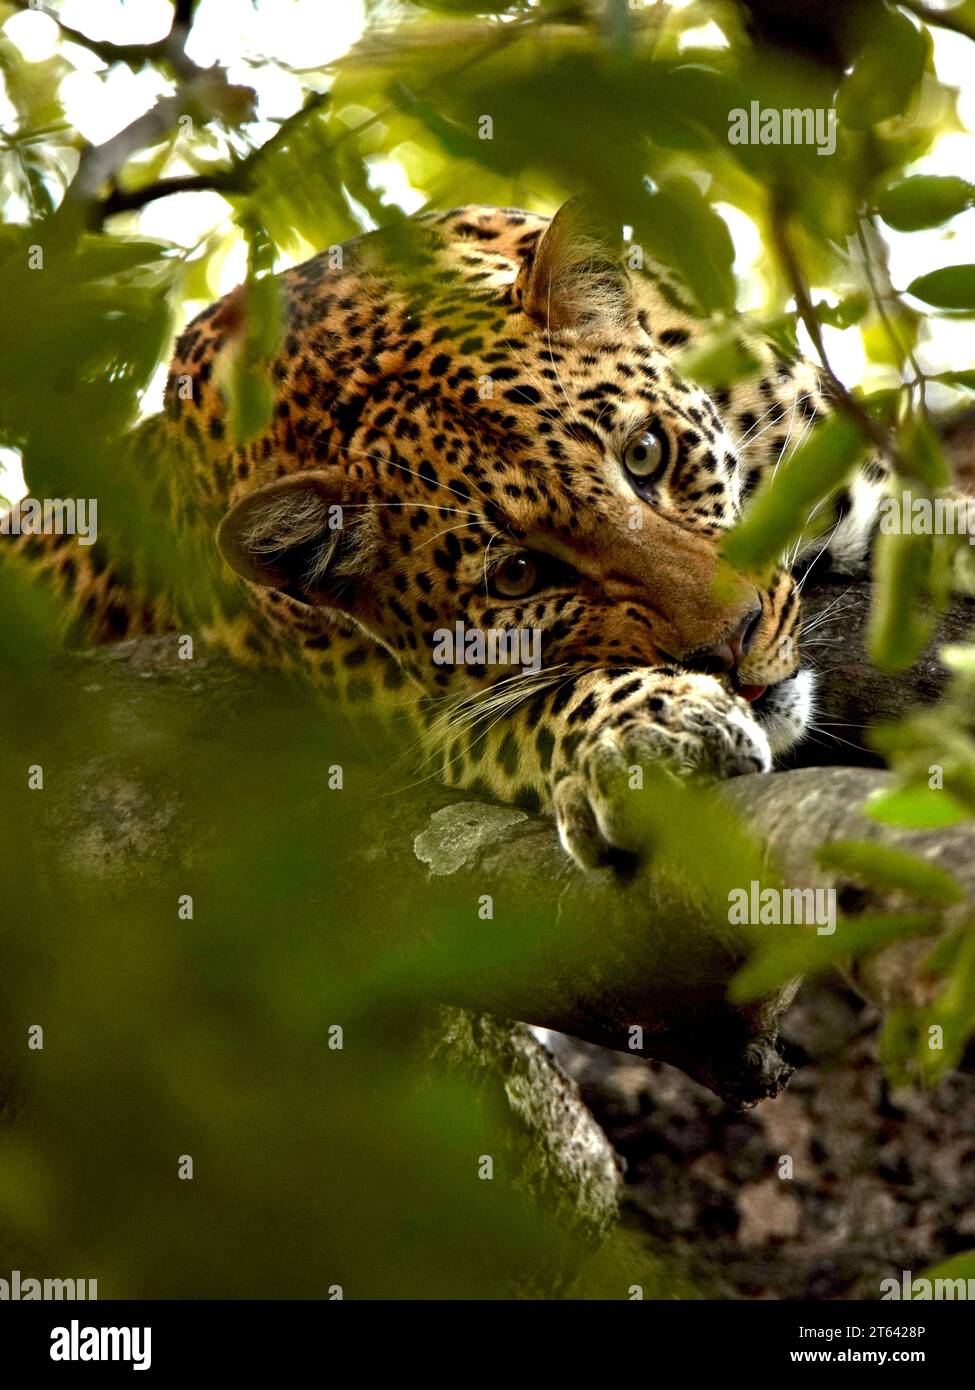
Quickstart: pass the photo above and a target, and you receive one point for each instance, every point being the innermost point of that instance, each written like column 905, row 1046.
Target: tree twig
column 236, row 178
column 132, row 54
column 842, row 398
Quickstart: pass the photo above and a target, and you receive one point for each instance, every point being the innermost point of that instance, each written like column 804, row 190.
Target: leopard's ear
column 294, row 534
column 576, row 277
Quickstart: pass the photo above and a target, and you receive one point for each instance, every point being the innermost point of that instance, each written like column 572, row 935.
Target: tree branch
column 236, row 178
column 132, row 199
column 844, row 400
column 582, row 953
column 170, row 49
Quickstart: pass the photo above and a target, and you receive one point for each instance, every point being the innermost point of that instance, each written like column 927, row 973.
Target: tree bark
column 610, row 956
column 140, row 746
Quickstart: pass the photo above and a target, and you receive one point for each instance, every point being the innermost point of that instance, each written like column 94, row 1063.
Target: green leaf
column 104, row 258
column 963, row 379
column 248, row 370
column 920, row 808
column 953, row 1009
column 898, row 632
column 897, row 1044
column 780, row 509
column 887, row 71
column 679, row 225
column 720, row 361
column 926, row 200
column 251, row 402
column 944, row 955
column 883, row 866
column 921, row 447
column 884, row 405
column 951, row 287
column 957, row 1267
column 807, row 953
column 844, row 314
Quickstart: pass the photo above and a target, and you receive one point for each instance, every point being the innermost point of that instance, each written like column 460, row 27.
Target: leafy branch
column 844, row 400
column 237, row 178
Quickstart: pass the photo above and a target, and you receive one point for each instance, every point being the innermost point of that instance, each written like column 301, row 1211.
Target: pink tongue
column 752, row 692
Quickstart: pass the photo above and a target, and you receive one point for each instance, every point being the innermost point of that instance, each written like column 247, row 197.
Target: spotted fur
column 460, row 401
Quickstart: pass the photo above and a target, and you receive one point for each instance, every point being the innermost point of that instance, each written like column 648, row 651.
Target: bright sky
column 308, row 34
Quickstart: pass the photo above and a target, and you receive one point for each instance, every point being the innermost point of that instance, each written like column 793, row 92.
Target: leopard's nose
column 728, row 654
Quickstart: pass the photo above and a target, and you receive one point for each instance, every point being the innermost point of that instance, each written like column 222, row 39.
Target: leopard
column 480, row 424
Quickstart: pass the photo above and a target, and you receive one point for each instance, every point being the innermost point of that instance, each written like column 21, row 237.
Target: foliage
column 210, row 1041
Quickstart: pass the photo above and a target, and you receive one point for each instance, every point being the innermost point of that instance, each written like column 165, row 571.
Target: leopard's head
column 500, row 439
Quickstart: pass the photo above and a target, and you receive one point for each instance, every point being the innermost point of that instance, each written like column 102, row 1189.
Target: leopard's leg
column 684, row 723
column 106, row 581
column 570, row 751
column 102, row 598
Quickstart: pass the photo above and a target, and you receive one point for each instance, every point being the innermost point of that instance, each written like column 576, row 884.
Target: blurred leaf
column 846, row 313
column 679, row 226
column 952, row 1010
column 298, row 185
column 926, row 200
column 957, row 1267
column 919, row 807
column 806, row 953
column 899, row 630
column 887, row 71
column 921, row 447
column 883, row 866
column 246, row 370
column 897, row 1045
column 963, row 379
column 951, row 287
column 720, row 361
column 885, row 405
column 780, row 509
column 88, row 363
column 945, row 952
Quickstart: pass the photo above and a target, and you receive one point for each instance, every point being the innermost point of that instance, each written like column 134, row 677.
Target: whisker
column 806, row 396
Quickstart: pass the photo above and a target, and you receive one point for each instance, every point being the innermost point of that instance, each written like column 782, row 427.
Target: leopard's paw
column 712, row 735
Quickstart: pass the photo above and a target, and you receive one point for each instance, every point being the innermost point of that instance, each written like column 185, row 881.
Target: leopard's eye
column 517, row 577
column 644, row 455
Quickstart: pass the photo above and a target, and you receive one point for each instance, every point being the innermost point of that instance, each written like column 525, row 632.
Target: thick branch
column 581, row 953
